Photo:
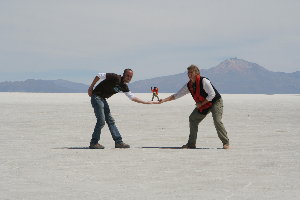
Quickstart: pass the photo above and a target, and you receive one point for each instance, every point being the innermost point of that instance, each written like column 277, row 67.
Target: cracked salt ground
column 44, row 154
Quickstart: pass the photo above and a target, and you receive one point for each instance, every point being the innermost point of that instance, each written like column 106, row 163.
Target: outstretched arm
column 183, row 91
column 135, row 99
column 90, row 90
column 170, row 98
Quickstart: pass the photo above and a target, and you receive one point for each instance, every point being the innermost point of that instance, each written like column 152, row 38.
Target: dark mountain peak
column 238, row 66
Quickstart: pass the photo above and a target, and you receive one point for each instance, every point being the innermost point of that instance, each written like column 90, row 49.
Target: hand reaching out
column 161, row 101
column 155, row 102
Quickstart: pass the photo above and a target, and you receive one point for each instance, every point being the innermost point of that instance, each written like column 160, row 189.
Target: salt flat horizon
column 44, row 155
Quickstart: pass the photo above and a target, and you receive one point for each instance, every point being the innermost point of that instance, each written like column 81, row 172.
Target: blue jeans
column 102, row 113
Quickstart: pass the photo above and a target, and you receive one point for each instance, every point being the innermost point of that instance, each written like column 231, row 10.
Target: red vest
column 196, row 95
column 155, row 90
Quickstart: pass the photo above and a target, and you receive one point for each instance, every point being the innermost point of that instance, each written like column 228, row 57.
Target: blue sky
column 73, row 40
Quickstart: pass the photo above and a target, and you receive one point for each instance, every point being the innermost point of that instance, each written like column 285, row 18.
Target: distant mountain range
column 43, row 86
column 232, row 76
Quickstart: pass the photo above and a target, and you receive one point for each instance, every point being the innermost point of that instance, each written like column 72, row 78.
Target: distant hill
column 46, row 86
column 232, row 76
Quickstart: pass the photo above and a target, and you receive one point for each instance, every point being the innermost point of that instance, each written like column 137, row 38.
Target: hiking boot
column 122, row 145
column 189, row 146
column 226, row 146
column 96, row 146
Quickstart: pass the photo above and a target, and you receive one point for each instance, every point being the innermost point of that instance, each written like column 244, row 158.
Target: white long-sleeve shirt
column 129, row 94
column 206, row 86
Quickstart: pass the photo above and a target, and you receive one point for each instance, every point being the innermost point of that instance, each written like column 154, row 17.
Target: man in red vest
column 207, row 99
column 154, row 93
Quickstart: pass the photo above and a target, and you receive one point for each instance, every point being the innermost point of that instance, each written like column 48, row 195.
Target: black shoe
column 96, row 146
column 122, row 145
column 189, row 146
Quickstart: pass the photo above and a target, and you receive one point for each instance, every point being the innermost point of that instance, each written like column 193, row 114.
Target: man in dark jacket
column 111, row 84
column 207, row 100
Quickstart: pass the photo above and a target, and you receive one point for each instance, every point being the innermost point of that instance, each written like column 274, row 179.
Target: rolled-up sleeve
column 129, row 94
column 102, row 76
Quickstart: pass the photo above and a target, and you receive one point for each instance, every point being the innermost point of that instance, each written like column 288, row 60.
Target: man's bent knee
column 100, row 123
column 192, row 118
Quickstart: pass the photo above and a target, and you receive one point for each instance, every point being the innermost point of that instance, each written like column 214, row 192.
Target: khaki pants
column 155, row 95
column 195, row 118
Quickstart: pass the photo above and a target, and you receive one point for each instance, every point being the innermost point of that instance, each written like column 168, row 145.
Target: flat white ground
column 44, row 155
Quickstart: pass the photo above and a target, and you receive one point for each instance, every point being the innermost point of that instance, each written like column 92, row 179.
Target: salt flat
column 44, row 155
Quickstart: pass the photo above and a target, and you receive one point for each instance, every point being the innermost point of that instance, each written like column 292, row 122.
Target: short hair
column 125, row 70
column 194, row 68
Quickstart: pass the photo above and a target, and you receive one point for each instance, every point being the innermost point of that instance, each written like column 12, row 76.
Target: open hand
column 152, row 102
column 156, row 102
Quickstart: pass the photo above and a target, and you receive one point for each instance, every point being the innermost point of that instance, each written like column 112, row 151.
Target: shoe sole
column 95, row 148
